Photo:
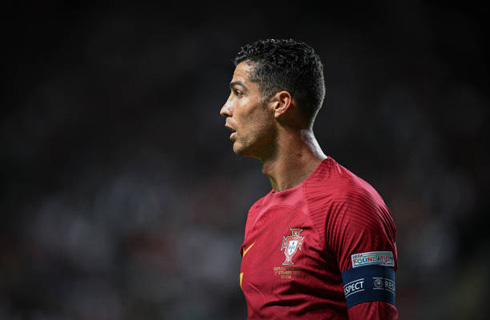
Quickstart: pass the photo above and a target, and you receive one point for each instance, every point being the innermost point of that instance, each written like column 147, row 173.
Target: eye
column 238, row 93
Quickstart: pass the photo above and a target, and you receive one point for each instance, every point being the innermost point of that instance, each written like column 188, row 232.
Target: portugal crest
column 291, row 244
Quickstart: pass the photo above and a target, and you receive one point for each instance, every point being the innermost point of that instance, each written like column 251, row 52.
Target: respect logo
column 354, row 287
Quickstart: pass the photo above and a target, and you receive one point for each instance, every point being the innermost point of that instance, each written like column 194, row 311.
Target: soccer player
column 321, row 243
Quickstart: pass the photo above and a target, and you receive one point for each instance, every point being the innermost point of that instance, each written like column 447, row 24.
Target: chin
column 240, row 150
column 244, row 153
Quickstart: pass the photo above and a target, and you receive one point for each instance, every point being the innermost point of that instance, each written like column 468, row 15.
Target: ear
column 282, row 102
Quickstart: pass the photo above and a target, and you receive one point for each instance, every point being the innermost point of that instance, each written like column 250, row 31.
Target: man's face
column 250, row 121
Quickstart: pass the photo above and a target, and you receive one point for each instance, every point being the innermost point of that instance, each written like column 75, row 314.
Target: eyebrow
column 237, row 83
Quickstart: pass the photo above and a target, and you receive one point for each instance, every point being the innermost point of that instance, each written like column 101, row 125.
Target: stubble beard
column 261, row 147
column 260, row 143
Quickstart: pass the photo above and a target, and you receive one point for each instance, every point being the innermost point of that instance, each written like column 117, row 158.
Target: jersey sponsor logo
column 291, row 244
column 381, row 258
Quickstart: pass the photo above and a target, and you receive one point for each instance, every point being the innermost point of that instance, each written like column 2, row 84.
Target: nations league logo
column 291, row 244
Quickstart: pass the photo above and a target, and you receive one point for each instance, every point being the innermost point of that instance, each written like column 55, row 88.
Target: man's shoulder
column 335, row 183
column 333, row 177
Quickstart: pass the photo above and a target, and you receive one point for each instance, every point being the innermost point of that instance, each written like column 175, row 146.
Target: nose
column 226, row 109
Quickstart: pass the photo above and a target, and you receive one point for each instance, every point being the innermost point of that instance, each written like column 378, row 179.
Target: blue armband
column 369, row 283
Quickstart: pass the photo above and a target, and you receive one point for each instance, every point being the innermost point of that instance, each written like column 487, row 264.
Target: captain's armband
column 369, row 283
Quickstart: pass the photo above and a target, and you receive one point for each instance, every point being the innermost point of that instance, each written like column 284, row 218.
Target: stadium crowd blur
column 121, row 197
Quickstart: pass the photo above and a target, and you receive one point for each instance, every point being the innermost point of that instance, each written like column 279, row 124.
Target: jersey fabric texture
column 301, row 244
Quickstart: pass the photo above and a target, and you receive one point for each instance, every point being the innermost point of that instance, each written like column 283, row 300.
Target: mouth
column 233, row 132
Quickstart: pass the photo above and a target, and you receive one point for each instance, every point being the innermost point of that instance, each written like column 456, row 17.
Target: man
column 321, row 243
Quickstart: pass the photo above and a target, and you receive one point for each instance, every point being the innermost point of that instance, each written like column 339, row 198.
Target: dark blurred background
column 121, row 198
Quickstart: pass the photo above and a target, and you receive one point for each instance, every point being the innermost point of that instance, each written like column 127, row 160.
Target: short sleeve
column 360, row 233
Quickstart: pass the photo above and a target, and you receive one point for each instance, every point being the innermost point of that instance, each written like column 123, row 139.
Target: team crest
column 291, row 244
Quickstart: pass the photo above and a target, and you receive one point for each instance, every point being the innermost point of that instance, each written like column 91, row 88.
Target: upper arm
column 361, row 234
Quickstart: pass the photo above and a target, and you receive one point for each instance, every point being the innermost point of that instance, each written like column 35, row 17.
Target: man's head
column 275, row 83
column 288, row 65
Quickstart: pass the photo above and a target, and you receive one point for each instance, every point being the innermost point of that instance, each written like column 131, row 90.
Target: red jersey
column 324, row 249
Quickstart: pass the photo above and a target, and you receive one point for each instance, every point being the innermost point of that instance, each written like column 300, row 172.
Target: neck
column 298, row 154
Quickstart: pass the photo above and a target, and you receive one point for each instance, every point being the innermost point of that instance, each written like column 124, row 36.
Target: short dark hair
column 287, row 64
